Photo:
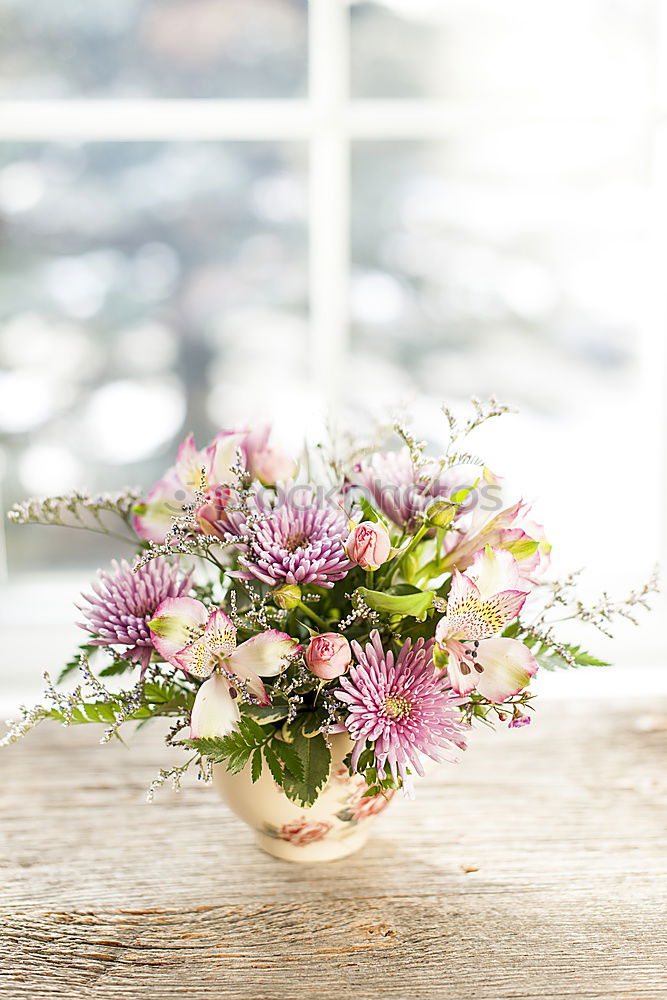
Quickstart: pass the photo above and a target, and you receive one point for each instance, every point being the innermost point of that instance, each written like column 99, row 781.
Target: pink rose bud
column 368, row 545
column 271, row 466
column 328, row 655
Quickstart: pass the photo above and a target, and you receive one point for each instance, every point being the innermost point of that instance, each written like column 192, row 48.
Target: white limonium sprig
column 414, row 446
column 482, row 412
column 105, row 513
column 172, row 774
column 601, row 614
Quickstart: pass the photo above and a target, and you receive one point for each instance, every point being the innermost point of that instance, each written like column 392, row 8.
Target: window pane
column 152, row 48
column 527, row 50
column 143, row 287
column 517, row 262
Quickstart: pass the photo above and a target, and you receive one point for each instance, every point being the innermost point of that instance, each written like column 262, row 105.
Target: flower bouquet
column 315, row 631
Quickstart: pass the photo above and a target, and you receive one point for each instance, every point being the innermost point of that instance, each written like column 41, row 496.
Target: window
column 458, row 197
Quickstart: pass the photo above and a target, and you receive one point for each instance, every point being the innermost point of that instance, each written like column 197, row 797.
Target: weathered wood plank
column 537, row 868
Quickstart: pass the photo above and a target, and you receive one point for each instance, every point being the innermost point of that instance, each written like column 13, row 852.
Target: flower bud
column 271, row 466
column 287, row 596
column 328, row 655
column 368, row 545
column 212, row 516
column 440, row 513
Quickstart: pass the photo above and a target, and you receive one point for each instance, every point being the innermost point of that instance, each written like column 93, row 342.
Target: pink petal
column 463, row 594
column 494, row 570
column 264, row 654
column 507, row 666
column 209, row 650
column 461, row 675
column 223, row 456
column 504, row 607
column 192, row 466
column 164, row 502
column 176, row 623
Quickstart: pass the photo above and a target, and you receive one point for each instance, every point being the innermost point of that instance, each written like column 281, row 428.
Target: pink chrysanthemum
column 404, row 705
column 124, row 602
column 299, row 542
column 392, row 482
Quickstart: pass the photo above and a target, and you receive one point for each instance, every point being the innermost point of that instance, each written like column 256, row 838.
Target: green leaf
column 440, row 658
column 252, row 732
column 256, row 771
column 310, row 723
column 275, row 712
column 166, row 699
column 369, row 512
column 372, row 791
column 289, row 757
column 316, row 759
column 274, row 764
column 117, row 667
column 73, row 664
column 218, row 749
column 522, row 548
column 239, row 759
column 549, row 658
column 461, row 495
column 415, row 605
column 584, row 659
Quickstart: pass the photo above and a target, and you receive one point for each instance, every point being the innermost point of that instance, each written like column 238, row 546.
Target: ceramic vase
column 336, row 825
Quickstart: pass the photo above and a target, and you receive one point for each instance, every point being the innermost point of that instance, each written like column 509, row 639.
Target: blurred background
column 217, row 211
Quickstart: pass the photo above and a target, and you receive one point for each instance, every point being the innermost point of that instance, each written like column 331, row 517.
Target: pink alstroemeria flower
column 210, row 471
column 511, row 528
column 482, row 601
column 202, row 643
column 194, row 471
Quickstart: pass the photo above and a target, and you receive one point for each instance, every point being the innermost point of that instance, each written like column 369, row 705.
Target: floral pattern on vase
column 336, row 825
column 303, row 831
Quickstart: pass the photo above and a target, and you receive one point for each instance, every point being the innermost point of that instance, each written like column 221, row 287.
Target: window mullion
column 146, row 120
column 328, row 193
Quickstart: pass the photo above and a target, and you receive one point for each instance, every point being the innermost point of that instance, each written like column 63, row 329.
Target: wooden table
column 537, row 868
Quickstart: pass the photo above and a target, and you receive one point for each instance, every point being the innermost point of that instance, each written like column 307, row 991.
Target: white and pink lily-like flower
column 209, row 472
column 203, row 643
column 481, row 603
column 511, row 528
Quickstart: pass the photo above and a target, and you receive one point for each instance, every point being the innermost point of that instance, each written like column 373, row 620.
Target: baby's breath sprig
column 606, row 610
column 170, row 737
column 28, row 719
column 601, row 615
column 415, row 447
column 558, row 592
column 174, row 774
column 483, row 411
column 360, row 612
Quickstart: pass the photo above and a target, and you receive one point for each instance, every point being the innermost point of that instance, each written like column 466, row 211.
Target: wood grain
column 537, row 868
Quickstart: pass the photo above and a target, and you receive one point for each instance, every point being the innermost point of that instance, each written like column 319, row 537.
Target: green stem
column 311, row 614
column 413, row 544
column 209, row 557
